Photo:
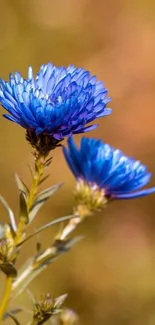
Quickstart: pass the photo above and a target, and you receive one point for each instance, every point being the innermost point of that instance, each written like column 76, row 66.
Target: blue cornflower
column 59, row 102
column 102, row 167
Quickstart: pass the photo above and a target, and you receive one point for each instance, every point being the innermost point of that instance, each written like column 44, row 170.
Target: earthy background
column 110, row 275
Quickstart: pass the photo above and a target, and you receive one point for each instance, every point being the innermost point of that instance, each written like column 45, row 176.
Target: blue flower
column 99, row 164
column 59, row 102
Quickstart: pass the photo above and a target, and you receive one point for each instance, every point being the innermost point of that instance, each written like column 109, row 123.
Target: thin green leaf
column 63, row 246
column 12, row 312
column 31, row 297
column 73, row 241
column 58, row 248
column 30, row 169
column 23, row 209
column 44, row 179
column 41, row 199
column 27, row 273
column 47, row 225
column 60, row 300
column 48, row 162
column 21, row 185
column 46, row 194
column 13, row 318
column 11, row 215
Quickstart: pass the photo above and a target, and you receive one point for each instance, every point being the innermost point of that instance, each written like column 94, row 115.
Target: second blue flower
column 107, row 169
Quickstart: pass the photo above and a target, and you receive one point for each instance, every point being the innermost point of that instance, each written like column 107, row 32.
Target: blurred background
column 110, row 275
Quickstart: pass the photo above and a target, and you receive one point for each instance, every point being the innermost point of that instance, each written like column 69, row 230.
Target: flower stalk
column 34, row 266
column 70, row 227
column 39, row 169
column 6, row 296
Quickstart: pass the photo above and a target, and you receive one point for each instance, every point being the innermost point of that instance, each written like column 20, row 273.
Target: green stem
column 71, row 226
column 47, row 225
column 39, row 169
column 6, row 297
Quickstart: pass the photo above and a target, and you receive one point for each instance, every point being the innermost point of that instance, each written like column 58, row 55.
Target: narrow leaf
column 30, row 169
column 73, row 241
column 27, row 273
column 13, row 318
column 41, row 199
column 21, row 185
column 59, row 301
column 47, row 225
column 48, row 161
column 11, row 215
column 23, row 208
column 63, row 246
column 12, row 312
column 31, row 297
column 57, row 249
column 44, row 179
column 46, row 194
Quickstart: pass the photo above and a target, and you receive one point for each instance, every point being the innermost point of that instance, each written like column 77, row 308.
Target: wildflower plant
column 56, row 104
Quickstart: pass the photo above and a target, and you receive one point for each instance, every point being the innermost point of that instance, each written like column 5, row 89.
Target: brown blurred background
column 110, row 275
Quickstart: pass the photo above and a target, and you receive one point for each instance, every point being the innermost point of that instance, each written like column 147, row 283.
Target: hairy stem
column 6, row 297
column 39, row 169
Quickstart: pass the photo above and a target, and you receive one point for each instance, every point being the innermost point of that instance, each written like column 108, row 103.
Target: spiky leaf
column 41, row 199
column 47, row 225
column 59, row 301
column 10, row 212
column 30, row 273
column 13, row 318
column 58, row 248
column 23, row 214
column 44, row 179
column 22, row 282
column 21, row 185
column 12, row 312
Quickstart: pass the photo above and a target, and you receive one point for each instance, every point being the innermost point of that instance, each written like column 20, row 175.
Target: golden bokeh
column 110, row 275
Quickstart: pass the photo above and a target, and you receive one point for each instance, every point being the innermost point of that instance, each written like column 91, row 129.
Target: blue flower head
column 107, row 170
column 57, row 103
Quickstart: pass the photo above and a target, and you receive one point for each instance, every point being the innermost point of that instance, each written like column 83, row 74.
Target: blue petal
column 110, row 169
column 70, row 162
column 134, row 195
column 59, row 101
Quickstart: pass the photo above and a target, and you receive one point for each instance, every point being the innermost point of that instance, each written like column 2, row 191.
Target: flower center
column 89, row 197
